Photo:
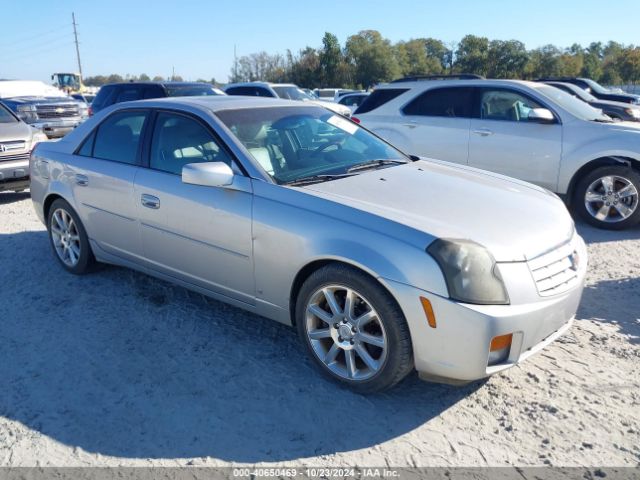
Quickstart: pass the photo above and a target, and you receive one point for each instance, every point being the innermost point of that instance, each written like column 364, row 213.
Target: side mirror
column 541, row 115
column 207, row 174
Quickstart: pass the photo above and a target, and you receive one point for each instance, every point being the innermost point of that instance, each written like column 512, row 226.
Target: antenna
column 75, row 34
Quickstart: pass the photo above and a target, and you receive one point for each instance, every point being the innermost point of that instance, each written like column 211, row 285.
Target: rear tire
column 68, row 239
column 353, row 329
column 608, row 197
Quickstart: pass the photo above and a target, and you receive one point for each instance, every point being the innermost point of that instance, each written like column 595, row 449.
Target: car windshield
column 190, row 90
column 295, row 143
column 571, row 104
column 5, row 115
column 580, row 93
column 292, row 93
column 596, row 87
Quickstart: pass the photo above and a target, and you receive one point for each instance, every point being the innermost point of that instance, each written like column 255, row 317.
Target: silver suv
column 17, row 140
column 531, row 131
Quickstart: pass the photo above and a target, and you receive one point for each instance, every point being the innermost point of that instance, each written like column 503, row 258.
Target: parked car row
column 527, row 130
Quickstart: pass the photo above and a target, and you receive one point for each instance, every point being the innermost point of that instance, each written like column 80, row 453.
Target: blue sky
column 197, row 37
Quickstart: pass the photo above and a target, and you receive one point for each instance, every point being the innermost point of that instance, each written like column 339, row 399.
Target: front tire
column 69, row 239
column 353, row 329
column 608, row 197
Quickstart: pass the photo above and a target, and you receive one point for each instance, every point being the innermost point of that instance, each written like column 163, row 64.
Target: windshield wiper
column 315, row 179
column 373, row 164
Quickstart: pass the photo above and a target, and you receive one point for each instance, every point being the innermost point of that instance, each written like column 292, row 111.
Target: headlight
column 634, row 112
column 470, row 271
column 38, row 136
column 27, row 113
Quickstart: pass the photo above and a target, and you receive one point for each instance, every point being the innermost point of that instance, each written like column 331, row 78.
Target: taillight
column 355, row 119
column 90, row 111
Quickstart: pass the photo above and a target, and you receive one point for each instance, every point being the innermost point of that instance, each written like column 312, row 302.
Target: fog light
column 499, row 350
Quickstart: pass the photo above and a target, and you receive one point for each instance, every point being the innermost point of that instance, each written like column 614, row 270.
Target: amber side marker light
column 500, row 342
column 428, row 311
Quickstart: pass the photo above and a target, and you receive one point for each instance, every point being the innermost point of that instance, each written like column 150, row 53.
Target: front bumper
column 457, row 350
column 57, row 128
column 14, row 175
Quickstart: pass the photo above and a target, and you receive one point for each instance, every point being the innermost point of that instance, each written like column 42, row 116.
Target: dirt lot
column 117, row 368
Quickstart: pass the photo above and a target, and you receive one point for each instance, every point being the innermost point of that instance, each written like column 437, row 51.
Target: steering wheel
column 322, row 148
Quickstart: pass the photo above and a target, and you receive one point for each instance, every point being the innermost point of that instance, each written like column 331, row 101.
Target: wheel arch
column 590, row 166
column 307, row 270
column 48, row 201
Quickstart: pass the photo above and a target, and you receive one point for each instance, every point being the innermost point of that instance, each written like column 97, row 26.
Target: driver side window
column 179, row 140
column 506, row 105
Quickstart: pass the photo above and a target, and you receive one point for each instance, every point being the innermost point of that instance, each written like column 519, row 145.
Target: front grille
column 15, row 157
column 57, row 110
column 12, row 145
column 555, row 272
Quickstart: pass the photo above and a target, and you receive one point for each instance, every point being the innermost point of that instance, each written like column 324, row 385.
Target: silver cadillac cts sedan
column 383, row 262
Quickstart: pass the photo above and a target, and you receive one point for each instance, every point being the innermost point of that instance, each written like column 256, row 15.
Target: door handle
column 82, row 180
column 150, row 201
column 410, row 124
column 483, row 132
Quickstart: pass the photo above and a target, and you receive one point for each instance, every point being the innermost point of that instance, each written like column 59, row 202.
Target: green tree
column 506, row 59
column 414, row 59
column 371, row 57
column 472, row 55
column 158, row 78
column 144, row 77
column 333, row 71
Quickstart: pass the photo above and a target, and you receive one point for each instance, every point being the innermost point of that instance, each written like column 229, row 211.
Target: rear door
column 102, row 173
column 437, row 123
column 503, row 140
column 199, row 234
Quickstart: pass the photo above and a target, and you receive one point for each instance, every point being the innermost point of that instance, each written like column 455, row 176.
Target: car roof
column 427, row 84
column 259, row 83
column 218, row 102
column 164, row 84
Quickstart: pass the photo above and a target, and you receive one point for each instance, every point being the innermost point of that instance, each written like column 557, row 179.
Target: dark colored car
column 595, row 89
column 129, row 91
column 616, row 110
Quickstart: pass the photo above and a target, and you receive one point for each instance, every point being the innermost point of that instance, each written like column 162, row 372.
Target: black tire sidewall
column 87, row 260
column 399, row 360
column 578, row 199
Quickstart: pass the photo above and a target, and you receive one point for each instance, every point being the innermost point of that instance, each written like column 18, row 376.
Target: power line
column 37, row 51
column 28, row 38
column 28, row 48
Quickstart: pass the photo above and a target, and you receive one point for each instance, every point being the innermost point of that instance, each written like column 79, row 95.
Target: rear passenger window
column 453, row 102
column 87, row 147
column 118, row 137
column 129, row 94
column 379, row 98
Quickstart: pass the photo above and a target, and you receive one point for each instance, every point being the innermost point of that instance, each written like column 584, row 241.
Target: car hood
column 333, row 106
column 515, row 220
column 36, row 99
column 15, row 131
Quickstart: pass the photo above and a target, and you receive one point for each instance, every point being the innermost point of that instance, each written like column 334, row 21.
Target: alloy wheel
column 345, row 332
column 611, row 199
column 65, row 236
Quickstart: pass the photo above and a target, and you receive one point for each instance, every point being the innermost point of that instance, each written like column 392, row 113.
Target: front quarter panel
column 293, row 229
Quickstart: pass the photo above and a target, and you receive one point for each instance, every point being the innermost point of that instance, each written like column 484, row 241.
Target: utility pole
column 235, row 64
column 75, row 34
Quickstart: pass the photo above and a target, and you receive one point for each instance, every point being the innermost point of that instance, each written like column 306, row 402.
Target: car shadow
column 12, row 197
column 614, row 301
column 118, row 363
column 592, row 234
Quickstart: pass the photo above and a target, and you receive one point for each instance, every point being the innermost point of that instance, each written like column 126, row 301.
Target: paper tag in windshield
column 343, row 124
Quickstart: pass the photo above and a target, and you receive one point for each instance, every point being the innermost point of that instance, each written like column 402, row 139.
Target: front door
column 201, row 235
column 503, row 140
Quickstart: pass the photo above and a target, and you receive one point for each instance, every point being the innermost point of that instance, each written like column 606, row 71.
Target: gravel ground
column 118, row 368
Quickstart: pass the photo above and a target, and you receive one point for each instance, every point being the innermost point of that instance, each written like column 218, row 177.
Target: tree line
column 368, row 58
